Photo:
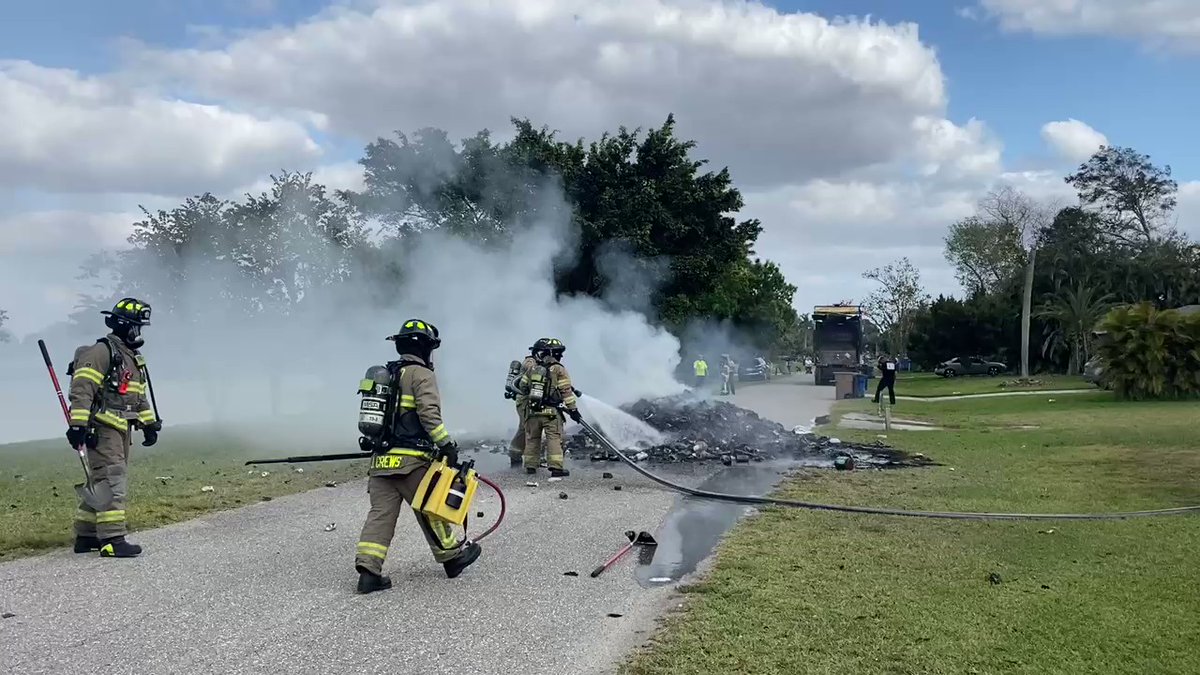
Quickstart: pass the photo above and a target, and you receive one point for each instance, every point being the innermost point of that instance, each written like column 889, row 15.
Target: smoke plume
column 291, row 375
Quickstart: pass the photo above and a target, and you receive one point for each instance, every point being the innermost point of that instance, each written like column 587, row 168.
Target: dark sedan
column 969, row 365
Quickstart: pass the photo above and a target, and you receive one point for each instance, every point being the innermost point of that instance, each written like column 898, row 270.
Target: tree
column 645, row 195
column 1134, row 197
column 1014, row 210
column 894, row 307
column 985, row 325
column 984, row 253
column 1075, row 312
column 4, row 334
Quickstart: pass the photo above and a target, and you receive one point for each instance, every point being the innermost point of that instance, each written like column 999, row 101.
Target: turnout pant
column 516, row 448
column 108, row 463
column 891, row 387
column 389, row 494
column 551, row 426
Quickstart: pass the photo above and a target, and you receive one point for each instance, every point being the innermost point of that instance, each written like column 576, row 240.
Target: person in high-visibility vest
column 700, row 368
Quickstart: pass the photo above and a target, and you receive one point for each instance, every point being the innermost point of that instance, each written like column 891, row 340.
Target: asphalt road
column 266, row 589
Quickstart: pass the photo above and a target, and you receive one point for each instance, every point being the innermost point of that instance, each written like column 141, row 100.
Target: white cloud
column 1168, row 23
column 63, row 131
column 52, row 231
column 780, row 97
column 1073, row 140
column 835, row 130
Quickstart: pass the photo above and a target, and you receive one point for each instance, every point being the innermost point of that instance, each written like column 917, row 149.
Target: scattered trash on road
column 331, row 527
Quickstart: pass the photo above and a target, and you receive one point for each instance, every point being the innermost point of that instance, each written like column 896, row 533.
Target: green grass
column 928, row 384
column 37, row 495
column 808, row 592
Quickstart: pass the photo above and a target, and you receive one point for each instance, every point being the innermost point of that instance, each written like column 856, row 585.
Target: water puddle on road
column 695, row 526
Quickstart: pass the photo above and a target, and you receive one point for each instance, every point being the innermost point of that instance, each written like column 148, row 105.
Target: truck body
column 837, row 340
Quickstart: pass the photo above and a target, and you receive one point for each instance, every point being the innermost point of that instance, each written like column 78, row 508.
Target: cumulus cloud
column 60, row 130
column 778, row 96
column 836, row 130
column 1167, row 23
column 1073, row 140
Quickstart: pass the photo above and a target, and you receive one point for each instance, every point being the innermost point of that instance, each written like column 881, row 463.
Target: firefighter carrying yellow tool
column 401, row 420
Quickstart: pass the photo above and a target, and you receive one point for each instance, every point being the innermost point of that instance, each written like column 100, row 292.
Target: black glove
column 509, row 395
column 577, row 392
column 573, row 413
column 449, row 452
column 150, row 433
column 77, row 436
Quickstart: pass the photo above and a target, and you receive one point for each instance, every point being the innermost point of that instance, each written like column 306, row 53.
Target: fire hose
column 949, row 515
column 359, row 455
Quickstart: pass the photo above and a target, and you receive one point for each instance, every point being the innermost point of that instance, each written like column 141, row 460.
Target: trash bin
column 844, row 385
column 860, row 386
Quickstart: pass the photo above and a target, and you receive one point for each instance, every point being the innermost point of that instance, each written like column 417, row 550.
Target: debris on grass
column 207, row 488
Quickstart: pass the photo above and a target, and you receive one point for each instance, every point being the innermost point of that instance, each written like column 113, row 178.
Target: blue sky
column 1015, row 82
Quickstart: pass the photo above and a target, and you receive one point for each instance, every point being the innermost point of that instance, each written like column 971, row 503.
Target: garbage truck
column 837, row 340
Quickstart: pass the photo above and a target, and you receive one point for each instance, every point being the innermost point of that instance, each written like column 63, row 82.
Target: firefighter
column 548, row 396
column 108, row 397
column 517, row 446
column 416, row 438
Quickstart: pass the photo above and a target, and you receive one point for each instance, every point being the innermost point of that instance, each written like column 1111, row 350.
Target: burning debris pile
column 699, row 431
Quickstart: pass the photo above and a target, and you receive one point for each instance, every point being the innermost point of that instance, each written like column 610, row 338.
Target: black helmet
column 129, row 311
column 552, row 346
column 419, row 330
column 126, row 320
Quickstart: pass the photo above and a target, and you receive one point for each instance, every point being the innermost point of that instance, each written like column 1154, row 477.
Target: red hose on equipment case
column 503, row 507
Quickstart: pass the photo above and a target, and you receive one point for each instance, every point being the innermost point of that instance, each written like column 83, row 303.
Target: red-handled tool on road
column 642, row 538
column 94, row 496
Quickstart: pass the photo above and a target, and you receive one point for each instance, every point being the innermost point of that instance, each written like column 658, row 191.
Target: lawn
column 37, row 495
column 809, row 592
column 928, row 384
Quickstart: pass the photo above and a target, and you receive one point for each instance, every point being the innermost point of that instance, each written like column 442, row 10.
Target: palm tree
column 1075, row 311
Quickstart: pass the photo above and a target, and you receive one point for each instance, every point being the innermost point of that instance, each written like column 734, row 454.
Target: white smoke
column 292, row 379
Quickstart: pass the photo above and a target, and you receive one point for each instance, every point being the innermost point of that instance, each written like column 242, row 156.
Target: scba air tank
column 374, row 390
column 510, row 382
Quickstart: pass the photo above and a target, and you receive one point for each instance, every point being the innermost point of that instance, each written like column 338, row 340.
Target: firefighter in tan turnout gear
column 412, row 437
column 517, row 446
column 108, row 399
column 548, row 394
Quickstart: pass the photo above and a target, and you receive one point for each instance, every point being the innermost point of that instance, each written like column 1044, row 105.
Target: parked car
column 969, row 365
column 758, row 369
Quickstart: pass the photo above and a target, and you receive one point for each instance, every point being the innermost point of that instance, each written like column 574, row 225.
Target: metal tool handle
column 599, row 570
column 54, row 378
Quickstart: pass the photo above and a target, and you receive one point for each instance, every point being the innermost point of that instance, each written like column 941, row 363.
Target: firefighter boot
column 84, row 543
column 117, row 547
column 369, row 582
column 455, row 566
